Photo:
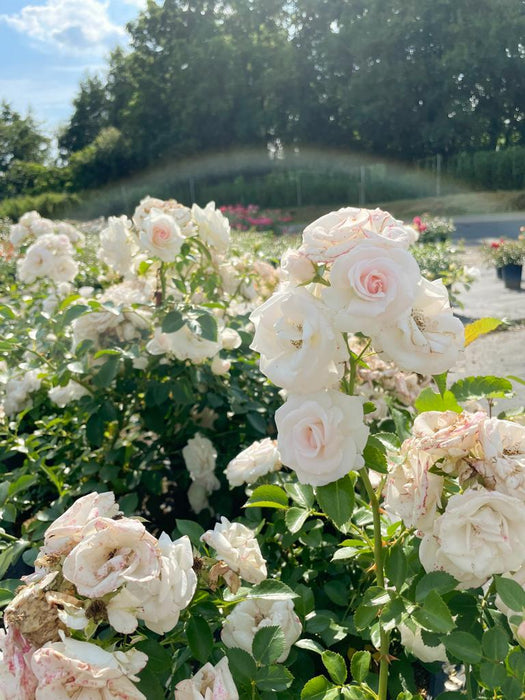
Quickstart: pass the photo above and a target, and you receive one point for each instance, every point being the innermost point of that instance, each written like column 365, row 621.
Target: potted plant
column 509, row 255
column 433, row 229
column 491, row 257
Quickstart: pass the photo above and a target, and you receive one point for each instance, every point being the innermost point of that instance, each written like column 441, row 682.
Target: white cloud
column 73, row 26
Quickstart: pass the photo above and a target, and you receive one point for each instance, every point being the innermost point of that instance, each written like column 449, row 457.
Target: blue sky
column 47, row 46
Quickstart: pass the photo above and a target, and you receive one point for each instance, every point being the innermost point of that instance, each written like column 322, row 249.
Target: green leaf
column 463, row 646
column 268, row 644
column 74, row 312
column 474, row 388
column 511, row 593
column 492, row 675
column 337, row 500
column 272, row 590
column 268, row 496
column 495, row 644
column 368, row 407
column 438, row 581
column 374, row 455
column 319, row 688
column 435, row 615
column 107, row 372
column 150, row 685
column 310, row 645
column 192, row 529
column 335, row 665
column 428, row 400
column 364, row 615
column 302, row 494
column 396, row 566
column 200, row 638
column 511, row 689
column 208, row 325
column 480, row 327
column 172, row 322
column 441, row 382
column 159, row 658
column 360, row 665
column 242, row 665
column 295, row 518
column 22, row 484
column 11, row 554
column 273, row 678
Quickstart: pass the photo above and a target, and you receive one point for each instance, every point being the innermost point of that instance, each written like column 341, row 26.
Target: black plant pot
column 512, row 276
column 499, row 273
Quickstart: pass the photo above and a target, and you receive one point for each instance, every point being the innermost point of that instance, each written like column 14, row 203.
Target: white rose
column 200, row 457
column 42, row 227
column 160, row 601
column 230, row 339
column 261, row 457
column 371, row 285
column 209, row 683
column 75, row 236
column 183, row 344
column 427, row 340
column 212, row 226
column 17, row 680
column 336, row 233
column 73, row 669
column 297, row 267
column 479, row 534
column 300, row 349
column 18, row 234
column 63, row 395
column 249, row 616
column 413, row 642
column 110, row 554
column 161, row 236
column 503, row 463
column 66, row 531
column 321, row 435
column 18, row 392
column 117, row 246
column 236, row 545
column 412, row 492
column 198, row 494
column 220, row 367
column 37, row 262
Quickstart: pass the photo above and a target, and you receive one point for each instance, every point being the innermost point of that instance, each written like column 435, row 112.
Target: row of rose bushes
column 130, row 371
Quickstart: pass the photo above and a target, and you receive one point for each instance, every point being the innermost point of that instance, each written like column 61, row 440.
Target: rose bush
column 381, row 530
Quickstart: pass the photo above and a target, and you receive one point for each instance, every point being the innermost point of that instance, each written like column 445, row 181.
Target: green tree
column 89, row 117
column 20, row 138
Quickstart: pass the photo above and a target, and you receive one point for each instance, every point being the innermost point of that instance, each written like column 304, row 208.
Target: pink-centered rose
column 110, row 554
column 161, row 235
column 73, row 670
column 321, row 435
column 370, row 285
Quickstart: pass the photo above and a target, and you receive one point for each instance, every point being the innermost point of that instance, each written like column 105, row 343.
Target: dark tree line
column 399, row 78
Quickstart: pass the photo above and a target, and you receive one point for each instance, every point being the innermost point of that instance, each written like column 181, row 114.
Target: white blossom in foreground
column 334, row 234
column 117, row 245
column 299, row 347
column 110, row 554
column 159, row 601
column 370, row 285
column 236, row 545
column 412, row 492
column 297, row 268
column 479, row 534
column 17, row 681
column 249, row 616
column 200, row 457
column 209, row 683
column 321, row 435
column 161, row 236
column 261, row 457
column 413, row 642
column 429, row 338
column 212, row 226
column 49, row 256
column 73, row 670
column 67, row 530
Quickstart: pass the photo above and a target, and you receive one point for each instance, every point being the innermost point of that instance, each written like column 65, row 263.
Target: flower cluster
column 352, row 274
column 243, row 218
column 94, row 567
column 474, row 533
column 31, row 225
column 433, row 228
